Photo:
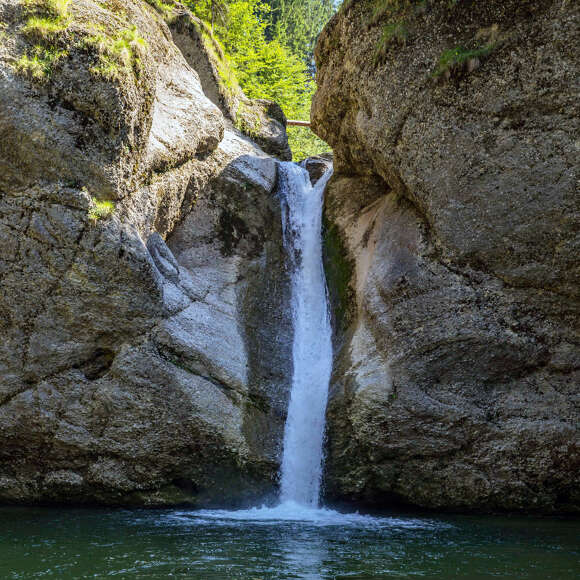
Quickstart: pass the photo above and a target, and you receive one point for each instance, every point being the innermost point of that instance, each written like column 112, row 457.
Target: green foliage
column 118, row 54
column 100, row 210
column 257, row 54
column 212, row 11
column 224, row 66
column 297, row 24
column 274, row 73
column 304, row 143
column 57, row 9
column 46, row 21
column 45, row 28
column 460, row 59
column 38, row 63
column 166, row 9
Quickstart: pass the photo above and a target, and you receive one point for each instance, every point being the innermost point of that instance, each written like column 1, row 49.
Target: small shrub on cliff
column 100, row 210
column 396, row 17
column 460, row 59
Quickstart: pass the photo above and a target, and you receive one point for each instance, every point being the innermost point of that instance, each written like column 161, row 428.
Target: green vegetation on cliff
column 49, row 35
column 117, row 53
column 38, row 62
column 460, row 59
column 269, row 46
column 46, row 21
column 100, row 210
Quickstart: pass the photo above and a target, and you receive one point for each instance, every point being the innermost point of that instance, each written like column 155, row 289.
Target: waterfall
column 312, row 347
column 302, row 458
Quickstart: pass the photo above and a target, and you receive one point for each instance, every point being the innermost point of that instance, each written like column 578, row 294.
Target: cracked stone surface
column 452, row 249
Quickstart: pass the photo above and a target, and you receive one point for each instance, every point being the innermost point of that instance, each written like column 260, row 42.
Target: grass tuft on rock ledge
column 460, row 59
column 46, row 22
column 38, row 63
column 118, row 54
column 44, row 28
column 100, row 210
column 46, row 18
column 52, row 8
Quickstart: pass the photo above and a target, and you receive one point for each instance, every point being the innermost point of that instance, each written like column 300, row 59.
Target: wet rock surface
column 452, row 256
column 317, row 166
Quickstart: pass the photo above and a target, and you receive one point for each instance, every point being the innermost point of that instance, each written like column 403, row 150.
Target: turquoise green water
column 65, row 543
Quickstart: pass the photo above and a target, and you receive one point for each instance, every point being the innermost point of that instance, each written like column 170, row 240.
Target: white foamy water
column 289, row 512
column 312, row 348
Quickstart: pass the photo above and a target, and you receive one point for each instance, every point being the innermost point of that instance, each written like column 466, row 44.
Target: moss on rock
column 339, row 270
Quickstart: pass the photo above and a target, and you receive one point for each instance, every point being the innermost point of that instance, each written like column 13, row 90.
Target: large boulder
column 142, row 288
column 260, row 119
column 452, row 250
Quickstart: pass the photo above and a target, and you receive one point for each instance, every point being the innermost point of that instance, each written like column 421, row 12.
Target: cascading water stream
column 302, row 459
column 312, row 347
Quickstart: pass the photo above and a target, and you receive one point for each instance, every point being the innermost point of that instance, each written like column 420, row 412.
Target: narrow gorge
column 150, row 246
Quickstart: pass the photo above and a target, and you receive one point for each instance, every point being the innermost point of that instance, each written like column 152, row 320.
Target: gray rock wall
column 262, row 120
column 143, row 354
column 452, row 254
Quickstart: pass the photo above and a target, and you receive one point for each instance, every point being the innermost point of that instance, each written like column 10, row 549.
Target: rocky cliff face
column 453, row 252
column 144, row 332
column 263, row 120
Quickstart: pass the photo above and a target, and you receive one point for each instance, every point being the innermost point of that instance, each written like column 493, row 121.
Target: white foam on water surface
column 292, row 512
